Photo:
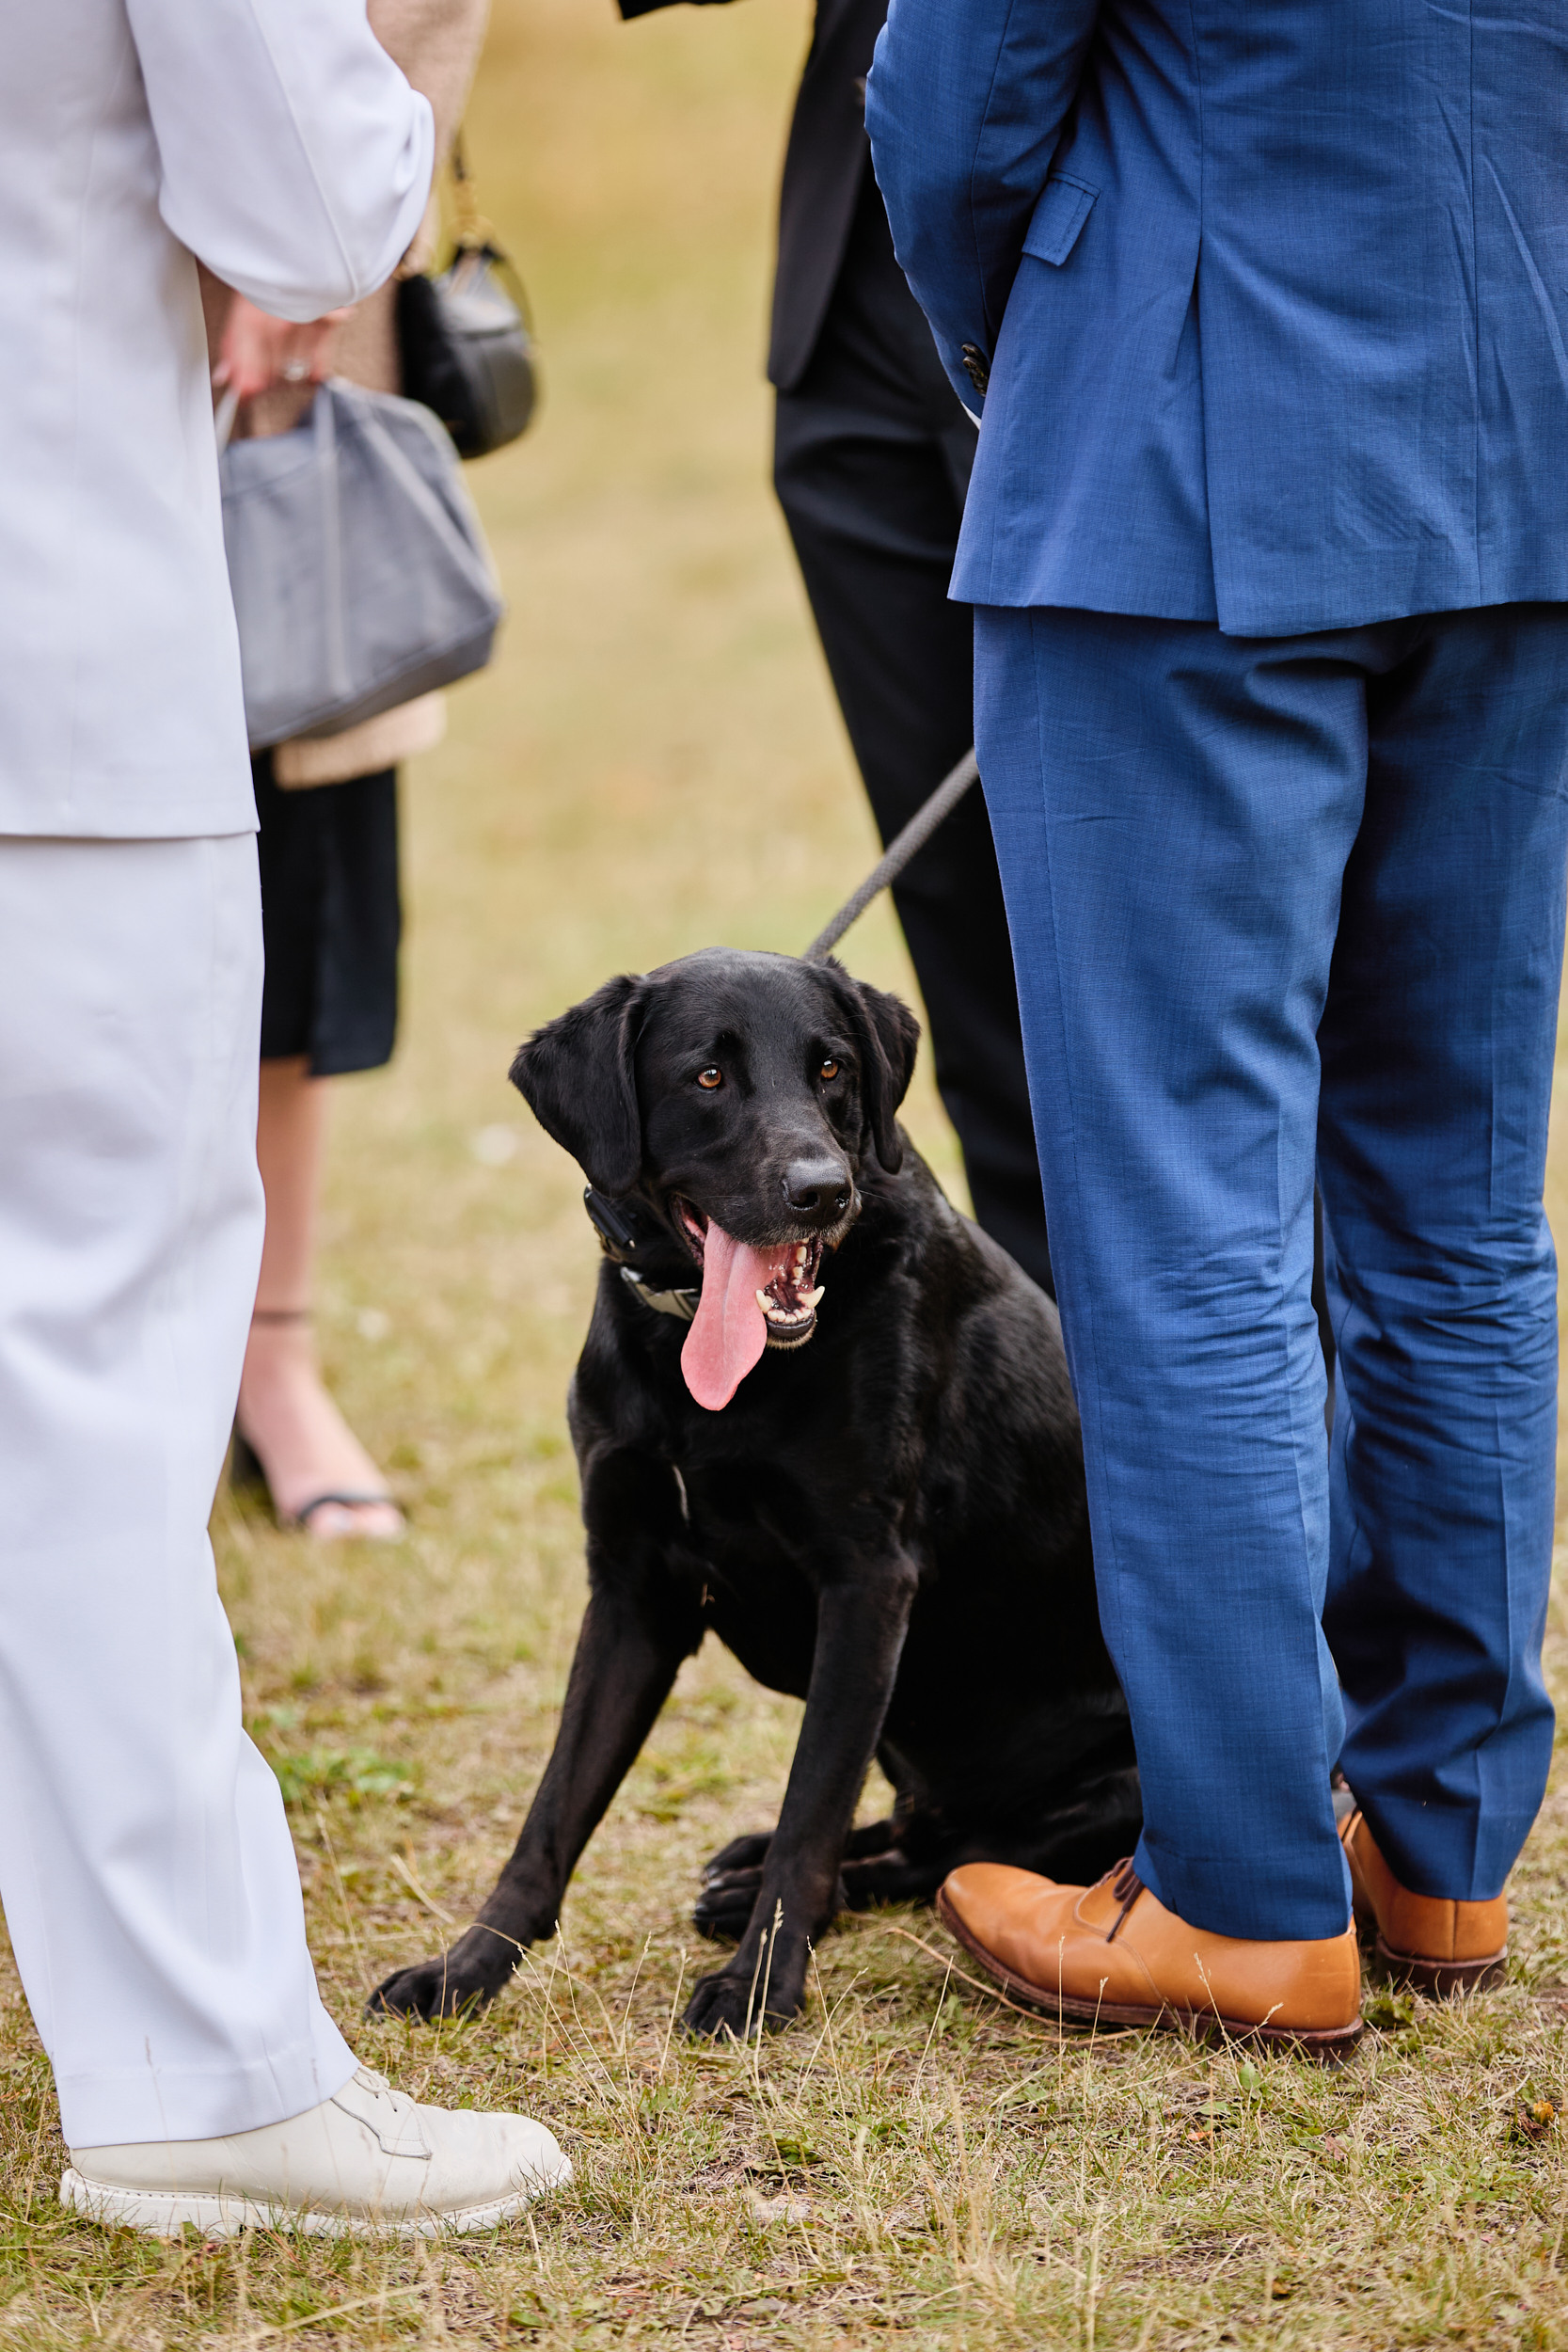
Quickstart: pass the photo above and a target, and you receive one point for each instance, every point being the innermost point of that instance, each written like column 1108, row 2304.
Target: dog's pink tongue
column 729, row 1330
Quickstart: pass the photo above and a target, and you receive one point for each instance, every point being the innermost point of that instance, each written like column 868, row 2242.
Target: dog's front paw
column 724, row 2004
column 444, row 1987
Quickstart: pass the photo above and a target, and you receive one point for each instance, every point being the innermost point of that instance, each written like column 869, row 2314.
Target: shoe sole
column 1325, row 2042
column 1441, row 1979
column 216, row 2216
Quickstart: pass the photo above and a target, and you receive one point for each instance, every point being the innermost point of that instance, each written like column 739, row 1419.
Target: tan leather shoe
column 1437, row 1945
column 1112, row 1954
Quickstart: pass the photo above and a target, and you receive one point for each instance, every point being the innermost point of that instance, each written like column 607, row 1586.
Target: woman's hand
column 258, row 351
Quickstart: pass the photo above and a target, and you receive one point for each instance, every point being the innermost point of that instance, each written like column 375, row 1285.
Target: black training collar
column 616, row 1227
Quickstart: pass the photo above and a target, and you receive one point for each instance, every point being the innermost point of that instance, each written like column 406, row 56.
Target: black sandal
column 248, row 1477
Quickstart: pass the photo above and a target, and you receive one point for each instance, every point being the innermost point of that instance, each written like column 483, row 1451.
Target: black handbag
column 465, row 338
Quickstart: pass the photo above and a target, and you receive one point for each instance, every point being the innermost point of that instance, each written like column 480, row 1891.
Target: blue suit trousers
column 1284, row 907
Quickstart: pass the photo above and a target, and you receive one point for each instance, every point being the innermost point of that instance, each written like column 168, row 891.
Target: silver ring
column 295, row 371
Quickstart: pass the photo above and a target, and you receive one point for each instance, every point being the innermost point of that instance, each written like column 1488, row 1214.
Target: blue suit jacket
column 1272, row 296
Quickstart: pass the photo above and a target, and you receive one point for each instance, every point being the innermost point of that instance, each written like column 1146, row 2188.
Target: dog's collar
column 616, row 1227
column 682, row 1304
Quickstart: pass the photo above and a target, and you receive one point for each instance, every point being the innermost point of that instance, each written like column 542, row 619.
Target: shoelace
column 398, row 2114
column 1126, row 1885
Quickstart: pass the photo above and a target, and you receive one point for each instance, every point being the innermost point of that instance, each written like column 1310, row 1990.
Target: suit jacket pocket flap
column 1063, row 207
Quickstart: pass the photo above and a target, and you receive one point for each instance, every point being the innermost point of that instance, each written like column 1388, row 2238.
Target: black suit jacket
column 824, row 161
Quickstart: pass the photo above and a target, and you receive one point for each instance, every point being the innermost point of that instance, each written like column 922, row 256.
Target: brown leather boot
column 1437, row 1945
column 1111, row 1954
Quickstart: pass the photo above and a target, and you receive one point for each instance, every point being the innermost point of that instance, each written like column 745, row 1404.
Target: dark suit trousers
column 871, row 463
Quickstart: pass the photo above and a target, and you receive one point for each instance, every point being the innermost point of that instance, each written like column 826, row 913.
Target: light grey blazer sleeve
column 276, row 140
column 296, row 160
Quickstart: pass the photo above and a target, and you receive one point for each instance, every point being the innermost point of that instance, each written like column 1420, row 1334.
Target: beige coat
column 436, row 43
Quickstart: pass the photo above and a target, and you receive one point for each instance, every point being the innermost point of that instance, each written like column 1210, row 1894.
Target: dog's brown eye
column 830, row 1069
column 710, row 1078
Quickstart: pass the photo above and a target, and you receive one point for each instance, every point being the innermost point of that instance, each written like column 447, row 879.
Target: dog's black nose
column 817, row 1187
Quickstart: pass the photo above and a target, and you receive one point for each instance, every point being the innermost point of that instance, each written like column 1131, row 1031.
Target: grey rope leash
column 915, row 835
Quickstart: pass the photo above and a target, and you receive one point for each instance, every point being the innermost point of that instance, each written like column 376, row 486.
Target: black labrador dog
column 888, row 1522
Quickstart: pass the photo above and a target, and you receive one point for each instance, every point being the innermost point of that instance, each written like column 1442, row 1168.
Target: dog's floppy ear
column 577, row 1077
column 889, row 1039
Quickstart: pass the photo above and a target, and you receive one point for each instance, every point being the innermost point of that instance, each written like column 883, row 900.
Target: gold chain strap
column 470, row 229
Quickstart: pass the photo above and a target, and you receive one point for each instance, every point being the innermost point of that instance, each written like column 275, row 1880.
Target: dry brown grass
column 655, row 763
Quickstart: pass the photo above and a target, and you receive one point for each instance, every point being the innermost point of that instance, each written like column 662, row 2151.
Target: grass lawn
column 655, row 763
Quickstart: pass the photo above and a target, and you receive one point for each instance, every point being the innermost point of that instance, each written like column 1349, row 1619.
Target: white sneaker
column 365, row 2162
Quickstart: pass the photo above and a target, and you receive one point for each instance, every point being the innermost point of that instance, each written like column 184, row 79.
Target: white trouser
column 146, row 1868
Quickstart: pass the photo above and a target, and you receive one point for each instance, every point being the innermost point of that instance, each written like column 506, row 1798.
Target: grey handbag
column 359, row 571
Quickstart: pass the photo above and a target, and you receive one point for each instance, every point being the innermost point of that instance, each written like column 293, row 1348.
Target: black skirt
column 330, row 920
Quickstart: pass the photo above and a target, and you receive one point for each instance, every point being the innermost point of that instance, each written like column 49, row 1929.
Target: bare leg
column 300, row 1438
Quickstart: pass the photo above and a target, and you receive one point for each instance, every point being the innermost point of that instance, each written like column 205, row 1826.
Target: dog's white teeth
column 799, row 1253
column 766, row 1303
column 814, row 1298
